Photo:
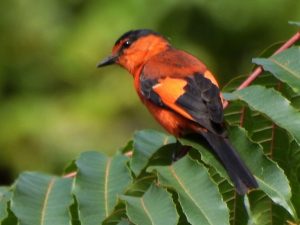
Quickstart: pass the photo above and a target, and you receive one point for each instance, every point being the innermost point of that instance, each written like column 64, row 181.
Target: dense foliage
column 54, row 103
column 148, row 188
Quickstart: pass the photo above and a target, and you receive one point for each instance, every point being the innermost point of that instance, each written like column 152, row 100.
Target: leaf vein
column 286, row 68
column 49, row 189
column 107, row 168
column 146, row 211
column 187, row 192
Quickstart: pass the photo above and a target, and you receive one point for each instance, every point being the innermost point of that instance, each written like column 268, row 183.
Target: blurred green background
column 54, row 103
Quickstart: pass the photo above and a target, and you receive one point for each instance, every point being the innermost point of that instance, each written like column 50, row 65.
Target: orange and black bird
column 181, row 93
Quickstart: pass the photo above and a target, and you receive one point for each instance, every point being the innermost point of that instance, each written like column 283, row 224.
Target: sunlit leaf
column 99, row 182
column 198, row 194
column 155, row 207
column 40, row 199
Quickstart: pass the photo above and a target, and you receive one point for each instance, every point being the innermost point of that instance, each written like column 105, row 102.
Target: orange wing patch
column 211, row 77
column 169, row 90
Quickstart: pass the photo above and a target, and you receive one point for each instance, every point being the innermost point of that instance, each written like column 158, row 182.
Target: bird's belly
column 171, row 121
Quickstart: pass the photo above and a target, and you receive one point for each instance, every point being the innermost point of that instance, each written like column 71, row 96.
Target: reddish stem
column 129, row 153
column 259, row 69
column 289, row 43
column 251, row 78
column 70, row 175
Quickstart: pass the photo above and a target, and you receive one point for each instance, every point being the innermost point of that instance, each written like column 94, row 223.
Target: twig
column 259, row 69
column 129, row 153
column 70, row 175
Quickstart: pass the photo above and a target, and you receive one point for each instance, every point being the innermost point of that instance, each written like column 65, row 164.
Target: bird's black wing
column 195, row 97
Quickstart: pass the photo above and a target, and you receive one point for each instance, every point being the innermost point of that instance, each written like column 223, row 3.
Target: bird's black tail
column 236, row 168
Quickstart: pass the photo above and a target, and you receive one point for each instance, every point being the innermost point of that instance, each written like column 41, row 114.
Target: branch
column 70, row 175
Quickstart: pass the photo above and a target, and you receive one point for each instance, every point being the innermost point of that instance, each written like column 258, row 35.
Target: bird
column 182, row 95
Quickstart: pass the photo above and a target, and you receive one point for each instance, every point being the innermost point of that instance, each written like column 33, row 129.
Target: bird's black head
column 133, row 46
column 131, row 36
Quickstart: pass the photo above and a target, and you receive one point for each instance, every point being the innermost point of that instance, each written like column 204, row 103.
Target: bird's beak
column 108, row 61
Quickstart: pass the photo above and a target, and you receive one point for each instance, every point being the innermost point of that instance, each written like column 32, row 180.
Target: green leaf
column 146, row 143
column 155, row 207
column 272, row 104
column 276, row 144
column 198, row 194
column 70, row 168
column 141, row 185
column 238, row 214
column 247, row 207
column 124, row 222
column 74, row 212
column 117, row 216
column 269, row 175
column 293, row 171
column 11, row 219
column 294, row 97
column 285, row 66
column 42, row 199
column 126, row 148
column 5, row 196
column 263, row 212
column 206, row 156
column 99, row 181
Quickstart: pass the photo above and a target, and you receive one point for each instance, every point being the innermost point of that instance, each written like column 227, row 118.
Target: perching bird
column 181, row 93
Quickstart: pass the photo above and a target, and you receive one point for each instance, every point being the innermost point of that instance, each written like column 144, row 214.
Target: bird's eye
column 127, row 44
